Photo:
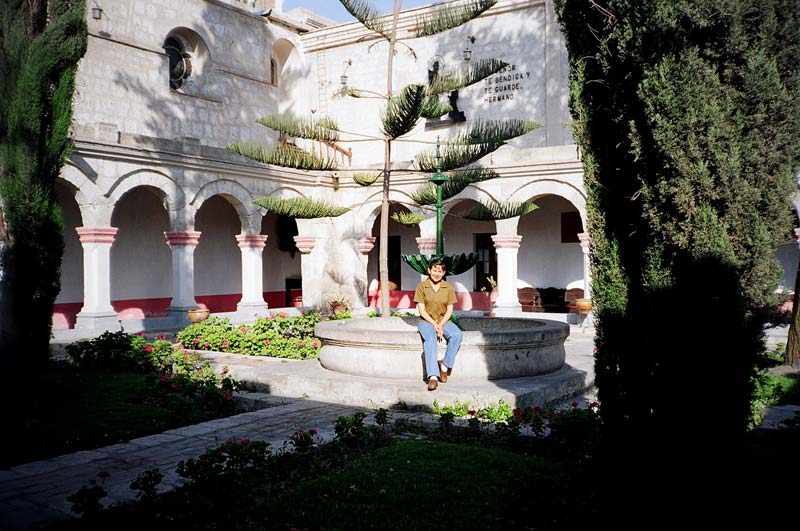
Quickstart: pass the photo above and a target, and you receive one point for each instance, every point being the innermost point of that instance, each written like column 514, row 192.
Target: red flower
column 574, row 404
column 537, row 409
column 266, row 341
column 174, row 386
column 244, row 441
column 141, row 334
column 312, row 432
column 103, row 474
column 162, row 337
column 471, row 412
column 148, row 348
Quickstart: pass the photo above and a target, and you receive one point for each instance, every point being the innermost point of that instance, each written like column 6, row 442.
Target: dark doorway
column 487, row 261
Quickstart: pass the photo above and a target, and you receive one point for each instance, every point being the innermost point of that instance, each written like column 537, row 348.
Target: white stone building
column 159, row 217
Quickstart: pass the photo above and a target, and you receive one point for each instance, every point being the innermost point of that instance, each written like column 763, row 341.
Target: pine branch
column 455, row 156
column 426, row 194
column 409, row 219
column 300, row 207
column 453, row 80
column 325, row 129
column 495, row 211
column 433, row 108
column 366, row 13
column 448, row 17
column 403, row 111
column 487, row 131
column 365, row 179
column 281, row 155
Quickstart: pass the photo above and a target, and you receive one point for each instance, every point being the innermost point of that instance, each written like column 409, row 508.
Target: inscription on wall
column 504, row 84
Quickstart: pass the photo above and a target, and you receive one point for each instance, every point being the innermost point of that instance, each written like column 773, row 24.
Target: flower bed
column 276, row 336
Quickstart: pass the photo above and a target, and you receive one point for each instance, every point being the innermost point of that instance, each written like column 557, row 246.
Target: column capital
column 506, row 242
column 585, row 240
column 365, row 244
column 796, row 233
column 179, row 238
column 252, row 240
column 305, row 244
column 426, row 244
column 96, row 234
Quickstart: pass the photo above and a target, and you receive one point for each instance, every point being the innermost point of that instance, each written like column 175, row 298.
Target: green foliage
column 403, row 111
column 446, row 16
column 119, row 351
column 300, row 207
column 455, row 156
column 366, row 13
column 433, row 108
column 278, row 336
column 409, row 219
column 493, row 211
column 37, row 78
column 86, row 501
column 324, row 129
column 350, row 430
column 146, row 484
column 282, row 155
column 457, row 181
column 365, row 179
column 686, row 115
column 459, row 409
column 470, row 74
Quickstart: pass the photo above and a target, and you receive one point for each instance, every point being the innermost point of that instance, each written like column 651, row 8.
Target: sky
column 333, row 8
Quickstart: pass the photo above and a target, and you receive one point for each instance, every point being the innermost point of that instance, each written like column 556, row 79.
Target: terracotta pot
column 198, row 315
column 584, row 305
column 338, row 309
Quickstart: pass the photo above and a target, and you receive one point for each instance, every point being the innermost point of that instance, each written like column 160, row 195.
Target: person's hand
column 439, row 332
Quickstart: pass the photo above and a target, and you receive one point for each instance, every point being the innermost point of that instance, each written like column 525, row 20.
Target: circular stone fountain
column 492, row 348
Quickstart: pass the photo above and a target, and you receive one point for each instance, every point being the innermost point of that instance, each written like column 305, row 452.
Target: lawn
column 65, row 409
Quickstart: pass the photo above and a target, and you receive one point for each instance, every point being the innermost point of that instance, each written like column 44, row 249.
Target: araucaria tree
column 41, row 43
column 687, row 113
column 404, row 108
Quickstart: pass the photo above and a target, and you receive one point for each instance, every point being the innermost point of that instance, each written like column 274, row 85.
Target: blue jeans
column 452, row 334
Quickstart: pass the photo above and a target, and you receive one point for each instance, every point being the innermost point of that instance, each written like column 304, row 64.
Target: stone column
column 364, row 246
column 507, row 248
column 182, row 244
column 310, row 270
column 587, row 280
column 426, row 245
column 252, row 246
column 97, row 312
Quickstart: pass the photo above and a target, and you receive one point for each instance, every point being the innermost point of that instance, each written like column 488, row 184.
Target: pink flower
column 163, row 378
column 205, row 344
column 162, row 337
column 266, row 341
column 227, row 395
column 174, row 386
column 242, row 330
column 199, row 337
column 224, row 344
column 315, row 344
column 196, row 340
column 141, row 334
column 148, row 348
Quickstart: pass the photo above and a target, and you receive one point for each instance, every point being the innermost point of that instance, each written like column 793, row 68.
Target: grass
column 66, row 410
column 789, row 388
column 413, row 483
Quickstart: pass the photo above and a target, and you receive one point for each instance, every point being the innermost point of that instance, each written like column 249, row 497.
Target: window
column 180, row 64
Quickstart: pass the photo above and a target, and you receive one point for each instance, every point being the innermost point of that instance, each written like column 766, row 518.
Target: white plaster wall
column 278, row 265
column 544, row 261
column 217, row 258
column 141, row 262
column 72, row 262
column 516, row 36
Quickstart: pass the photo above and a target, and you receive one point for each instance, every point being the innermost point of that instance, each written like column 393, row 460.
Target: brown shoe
column 432, row 385
column 443, row 374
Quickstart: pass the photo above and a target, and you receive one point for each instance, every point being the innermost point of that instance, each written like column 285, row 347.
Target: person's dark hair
column 436, row 262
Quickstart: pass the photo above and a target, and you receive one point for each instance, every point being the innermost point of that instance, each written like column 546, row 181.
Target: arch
column 85, row 190
column 369, row 209
column 473, row 193
column 236, row 194
column 561, row 189
column 171, row 192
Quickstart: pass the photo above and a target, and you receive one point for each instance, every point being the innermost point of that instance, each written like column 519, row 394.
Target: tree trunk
column 792, row 355
column 383, row 258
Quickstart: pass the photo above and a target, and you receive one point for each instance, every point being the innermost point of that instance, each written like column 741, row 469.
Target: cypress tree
column 41, row 43
column 687, row 115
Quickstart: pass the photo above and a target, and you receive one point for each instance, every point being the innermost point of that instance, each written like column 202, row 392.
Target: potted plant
column 198, row 314
column 584, row 305
column 339, row 304
column 488, row 294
